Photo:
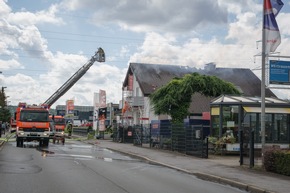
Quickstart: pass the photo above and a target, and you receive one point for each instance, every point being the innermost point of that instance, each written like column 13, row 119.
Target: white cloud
column 4, row 8
column 194, row 52
column 153, row 15
column 26, row 18
column 240, row 6
column 245, row 30
column 10, row 64
column 283, row 23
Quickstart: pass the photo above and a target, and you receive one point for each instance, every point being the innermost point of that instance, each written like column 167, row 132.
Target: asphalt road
column 81, row 168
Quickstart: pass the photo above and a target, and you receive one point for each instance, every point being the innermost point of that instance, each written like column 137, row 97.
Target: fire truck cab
column 32, row 124
column 59, row 128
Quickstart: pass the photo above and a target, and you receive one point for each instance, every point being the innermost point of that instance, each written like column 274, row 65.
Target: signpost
column 279, row 72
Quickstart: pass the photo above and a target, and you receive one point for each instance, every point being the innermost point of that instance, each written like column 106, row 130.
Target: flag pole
column 263, row 86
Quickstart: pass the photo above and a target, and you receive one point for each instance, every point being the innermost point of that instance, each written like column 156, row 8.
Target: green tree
column 4, row 111
column 174, row 98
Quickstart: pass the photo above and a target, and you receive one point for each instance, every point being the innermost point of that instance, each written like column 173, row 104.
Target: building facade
column 83, row 114
column 143, row 79
column 241, row 115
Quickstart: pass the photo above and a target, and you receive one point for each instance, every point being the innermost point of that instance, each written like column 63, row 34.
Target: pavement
column 4, row 138
column 221, row 169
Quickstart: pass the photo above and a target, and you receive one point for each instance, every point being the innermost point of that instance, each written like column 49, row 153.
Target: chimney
column 210, row 67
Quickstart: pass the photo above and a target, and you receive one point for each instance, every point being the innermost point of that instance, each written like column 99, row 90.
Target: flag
column 276, row 6
column 272, row 33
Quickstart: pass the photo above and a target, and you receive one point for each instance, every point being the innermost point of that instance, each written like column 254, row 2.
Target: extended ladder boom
column 99, row 57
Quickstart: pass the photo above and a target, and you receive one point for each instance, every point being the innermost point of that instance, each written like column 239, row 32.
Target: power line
column 115, row 38
column 87, row 35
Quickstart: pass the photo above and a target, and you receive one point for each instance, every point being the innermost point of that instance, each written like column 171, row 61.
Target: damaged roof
column 153, row 76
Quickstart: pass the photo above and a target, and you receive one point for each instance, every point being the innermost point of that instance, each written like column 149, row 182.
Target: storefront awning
column 267, row 110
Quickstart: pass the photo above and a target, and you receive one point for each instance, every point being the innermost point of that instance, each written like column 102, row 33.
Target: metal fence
column 181, row 138
column 81, row 131
column 184, row 139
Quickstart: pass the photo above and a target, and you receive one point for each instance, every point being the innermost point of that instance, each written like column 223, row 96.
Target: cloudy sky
column 44, row 42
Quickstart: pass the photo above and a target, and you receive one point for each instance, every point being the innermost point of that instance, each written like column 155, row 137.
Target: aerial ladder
column 99, row 57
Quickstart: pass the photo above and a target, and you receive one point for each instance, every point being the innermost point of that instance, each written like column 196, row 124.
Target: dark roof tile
column 151, row 76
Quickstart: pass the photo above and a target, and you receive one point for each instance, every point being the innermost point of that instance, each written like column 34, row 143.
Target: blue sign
column 279, row 72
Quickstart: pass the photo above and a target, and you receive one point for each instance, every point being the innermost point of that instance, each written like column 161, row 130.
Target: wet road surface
column 77, row 167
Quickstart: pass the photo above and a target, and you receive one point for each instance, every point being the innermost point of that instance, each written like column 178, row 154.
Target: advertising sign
column 70, row 107
column 102, row 99
column 279, row 72
column 103, row 105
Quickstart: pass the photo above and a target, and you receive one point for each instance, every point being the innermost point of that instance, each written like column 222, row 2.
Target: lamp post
column 3, row 87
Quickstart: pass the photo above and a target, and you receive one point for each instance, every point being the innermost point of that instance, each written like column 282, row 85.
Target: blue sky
column 44, row 42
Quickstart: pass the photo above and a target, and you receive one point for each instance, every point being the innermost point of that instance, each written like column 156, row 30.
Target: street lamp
column 3, row 87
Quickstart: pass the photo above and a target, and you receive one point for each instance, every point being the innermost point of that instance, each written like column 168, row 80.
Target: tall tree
column 4, row 111
column 174, row 98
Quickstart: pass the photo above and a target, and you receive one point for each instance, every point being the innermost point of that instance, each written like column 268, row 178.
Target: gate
column 141, row 134
column 196, row 142
column 247, row 151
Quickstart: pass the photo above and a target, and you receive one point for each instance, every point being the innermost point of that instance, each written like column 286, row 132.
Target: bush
column 282, row 161
column 212, row 140
column 269, row 160
column 277, row 161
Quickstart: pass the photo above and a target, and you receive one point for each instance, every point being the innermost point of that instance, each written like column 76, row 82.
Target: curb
column 203, row 176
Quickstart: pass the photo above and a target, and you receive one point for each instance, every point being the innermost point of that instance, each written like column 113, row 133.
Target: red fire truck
column 32, row 124
column 59, row 127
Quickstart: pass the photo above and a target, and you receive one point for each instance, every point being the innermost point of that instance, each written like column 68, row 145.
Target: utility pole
column 263, row 85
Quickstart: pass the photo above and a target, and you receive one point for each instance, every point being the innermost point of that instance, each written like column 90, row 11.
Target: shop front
column 232, row 114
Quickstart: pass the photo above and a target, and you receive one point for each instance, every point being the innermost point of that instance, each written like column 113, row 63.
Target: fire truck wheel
column 45, row 142
column 40, row 143
column 19, row 142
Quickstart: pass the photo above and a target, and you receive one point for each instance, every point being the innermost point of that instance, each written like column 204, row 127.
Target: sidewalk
column 4, row 138
column 221, row 169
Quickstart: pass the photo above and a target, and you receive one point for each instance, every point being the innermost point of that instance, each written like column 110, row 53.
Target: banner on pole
column 272, row 33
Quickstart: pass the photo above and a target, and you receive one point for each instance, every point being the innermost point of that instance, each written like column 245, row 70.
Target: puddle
column 84, row 152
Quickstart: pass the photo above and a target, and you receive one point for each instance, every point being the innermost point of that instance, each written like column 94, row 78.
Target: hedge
column 277, row 161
